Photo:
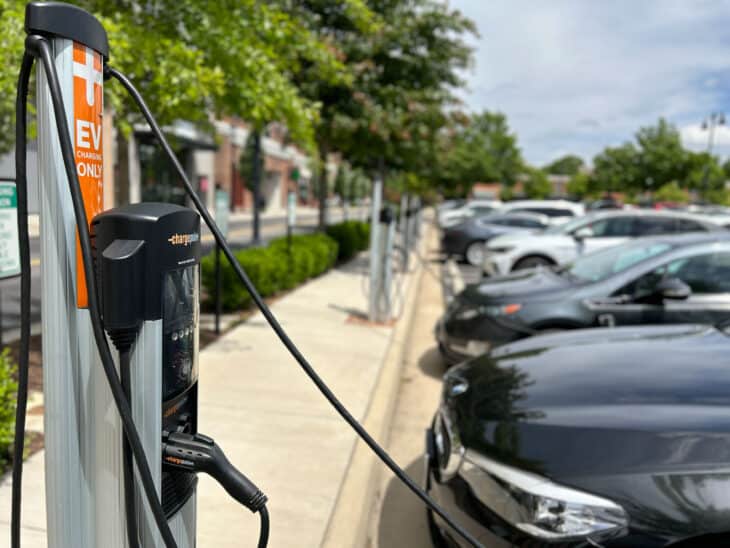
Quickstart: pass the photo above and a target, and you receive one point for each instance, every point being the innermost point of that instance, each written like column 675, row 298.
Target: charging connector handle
column 199, row 453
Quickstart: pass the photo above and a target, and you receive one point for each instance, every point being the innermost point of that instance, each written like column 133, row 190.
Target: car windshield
column 602, row 264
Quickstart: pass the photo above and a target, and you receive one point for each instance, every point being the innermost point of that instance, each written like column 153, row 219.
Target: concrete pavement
column 270, row 419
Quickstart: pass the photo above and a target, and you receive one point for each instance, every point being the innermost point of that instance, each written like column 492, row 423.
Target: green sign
column 9, row 246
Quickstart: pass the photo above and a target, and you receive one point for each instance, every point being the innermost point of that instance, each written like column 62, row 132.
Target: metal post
column 375, row 252
column 218, row 291
column 84, row 499
column 386, row 305
column 404, row 230
column 256, row 182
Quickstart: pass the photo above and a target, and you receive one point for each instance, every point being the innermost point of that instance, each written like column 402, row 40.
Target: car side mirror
column 583, row 232
column 672, row 289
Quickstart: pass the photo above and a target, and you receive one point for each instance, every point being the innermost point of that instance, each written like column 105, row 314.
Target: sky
column 575, row 76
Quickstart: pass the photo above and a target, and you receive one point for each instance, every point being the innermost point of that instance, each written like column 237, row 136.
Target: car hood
column 588, row 389
column 532, row 283
column 538, row 240
column 638, row 415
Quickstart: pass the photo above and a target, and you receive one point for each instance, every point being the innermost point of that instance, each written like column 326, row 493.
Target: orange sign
column 88, row 110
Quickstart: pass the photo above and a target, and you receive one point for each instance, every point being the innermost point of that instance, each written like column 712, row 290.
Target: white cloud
column 576, row 76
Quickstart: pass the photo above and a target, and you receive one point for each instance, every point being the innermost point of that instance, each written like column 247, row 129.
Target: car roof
column 648, row 213
column 688, row 238
column 513, row 215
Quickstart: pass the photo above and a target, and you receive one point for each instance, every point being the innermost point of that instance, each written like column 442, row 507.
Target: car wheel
column 475, row 254
column 531, row 262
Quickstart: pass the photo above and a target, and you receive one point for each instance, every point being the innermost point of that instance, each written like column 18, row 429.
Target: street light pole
column 710, row 124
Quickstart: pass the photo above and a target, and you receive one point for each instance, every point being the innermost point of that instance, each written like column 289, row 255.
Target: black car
column 667, row 279
column 591, row 438
column 466, row 240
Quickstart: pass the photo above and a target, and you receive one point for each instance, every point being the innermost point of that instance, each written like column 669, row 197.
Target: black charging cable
column 24, row 242
column 274, row 323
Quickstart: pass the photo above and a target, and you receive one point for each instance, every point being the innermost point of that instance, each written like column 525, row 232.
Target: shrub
column 351, row 236
column 8, row 391
column 271, row 269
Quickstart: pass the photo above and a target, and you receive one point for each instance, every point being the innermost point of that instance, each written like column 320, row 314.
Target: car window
column 613, row 227
column 709, row 273
column 687, row 225
column 704, row 274
column 481, row 209
column 549, row 211
column 651, row 225
column 602, row 264
column 530, row 223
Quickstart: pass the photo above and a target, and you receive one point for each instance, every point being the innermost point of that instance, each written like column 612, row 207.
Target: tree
column 569, row 164
column 199, row 59
column 404, row 77
column 671, row 192
column 479, row 149
column 537, row 185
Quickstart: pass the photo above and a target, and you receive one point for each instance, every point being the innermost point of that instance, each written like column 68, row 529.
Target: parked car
column 599, row 437
column 561, row 244
column 559, row 211
column 450, row 204
column 669, row 279
column 605, row 203
column 454, row 216
column 466, row 240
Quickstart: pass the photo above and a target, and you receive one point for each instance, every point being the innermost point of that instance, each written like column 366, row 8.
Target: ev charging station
column 121, row 439
column 147, row 258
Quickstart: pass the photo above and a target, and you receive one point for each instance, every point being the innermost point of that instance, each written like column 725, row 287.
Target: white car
column 561, row 244
column 452, row 217
column 559, row 211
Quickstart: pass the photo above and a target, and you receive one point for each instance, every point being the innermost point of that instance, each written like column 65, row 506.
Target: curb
column 349, row 521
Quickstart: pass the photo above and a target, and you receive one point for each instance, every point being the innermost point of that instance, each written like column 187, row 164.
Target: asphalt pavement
column 240, row 234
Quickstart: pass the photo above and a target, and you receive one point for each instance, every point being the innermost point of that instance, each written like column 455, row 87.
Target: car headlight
column 469, row 311
column 537, row 506
column 449, row 451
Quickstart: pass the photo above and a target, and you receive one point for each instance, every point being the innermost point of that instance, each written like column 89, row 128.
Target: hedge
column 351, row 237
column 8, row 392
column 271, row 269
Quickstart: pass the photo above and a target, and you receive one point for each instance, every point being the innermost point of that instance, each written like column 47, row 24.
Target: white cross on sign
column 89, row 74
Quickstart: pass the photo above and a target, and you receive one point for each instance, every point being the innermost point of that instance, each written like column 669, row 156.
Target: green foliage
column 351, row 237
column 671, row 192
column 192, row 59
column 271, row 269
column 480, row 149
column 569, row 164
column 537, row 185
column 403, row 78
column 8, row 391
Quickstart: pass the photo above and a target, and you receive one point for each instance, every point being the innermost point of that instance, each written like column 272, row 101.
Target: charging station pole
column 83, row 435
column 375, row 257
column 82, row 431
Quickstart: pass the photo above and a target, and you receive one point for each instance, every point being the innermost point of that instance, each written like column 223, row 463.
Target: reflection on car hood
column 663, row 380
column 639, row 415
column 516, row 286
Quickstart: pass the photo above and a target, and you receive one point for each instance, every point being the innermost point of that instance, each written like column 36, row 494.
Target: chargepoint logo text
column 183, row 239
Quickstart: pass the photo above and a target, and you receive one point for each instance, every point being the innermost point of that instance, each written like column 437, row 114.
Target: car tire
column 474, row 254
column 533, row 261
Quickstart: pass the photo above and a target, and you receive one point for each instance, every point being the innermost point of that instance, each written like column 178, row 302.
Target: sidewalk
column 270, row 419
